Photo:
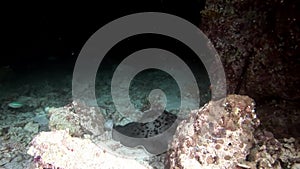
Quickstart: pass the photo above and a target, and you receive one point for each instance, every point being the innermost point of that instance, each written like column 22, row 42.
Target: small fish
column 15, row 105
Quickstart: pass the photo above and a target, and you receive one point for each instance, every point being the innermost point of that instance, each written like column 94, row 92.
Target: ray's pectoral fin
column 147, row 134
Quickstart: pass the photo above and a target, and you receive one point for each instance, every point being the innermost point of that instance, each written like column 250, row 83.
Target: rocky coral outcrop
column 78, row 118
column 258, row 43
column 225, row 134
column 63, row 151
column 268, row 152
column 218, row 135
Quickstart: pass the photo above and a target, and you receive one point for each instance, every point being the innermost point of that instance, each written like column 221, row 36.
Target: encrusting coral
column 64, row 151
column 225, row 134
column 78, row 118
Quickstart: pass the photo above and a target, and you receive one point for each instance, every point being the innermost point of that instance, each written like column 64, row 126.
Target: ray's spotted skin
column 149, row 129
column 153, row 136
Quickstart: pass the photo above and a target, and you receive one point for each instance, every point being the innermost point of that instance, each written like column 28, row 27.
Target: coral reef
column 216, row 136
column 258, row 43
column 66, row 152
column 78, row 118
column 224, row 134
column 269, row 152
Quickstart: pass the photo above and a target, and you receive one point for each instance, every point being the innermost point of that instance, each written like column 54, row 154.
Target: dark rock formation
column 258, row 42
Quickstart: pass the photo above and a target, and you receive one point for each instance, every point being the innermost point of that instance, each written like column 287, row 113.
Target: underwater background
column 257, row 41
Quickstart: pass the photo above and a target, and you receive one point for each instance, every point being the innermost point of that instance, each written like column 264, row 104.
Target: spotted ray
column 148, row 134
